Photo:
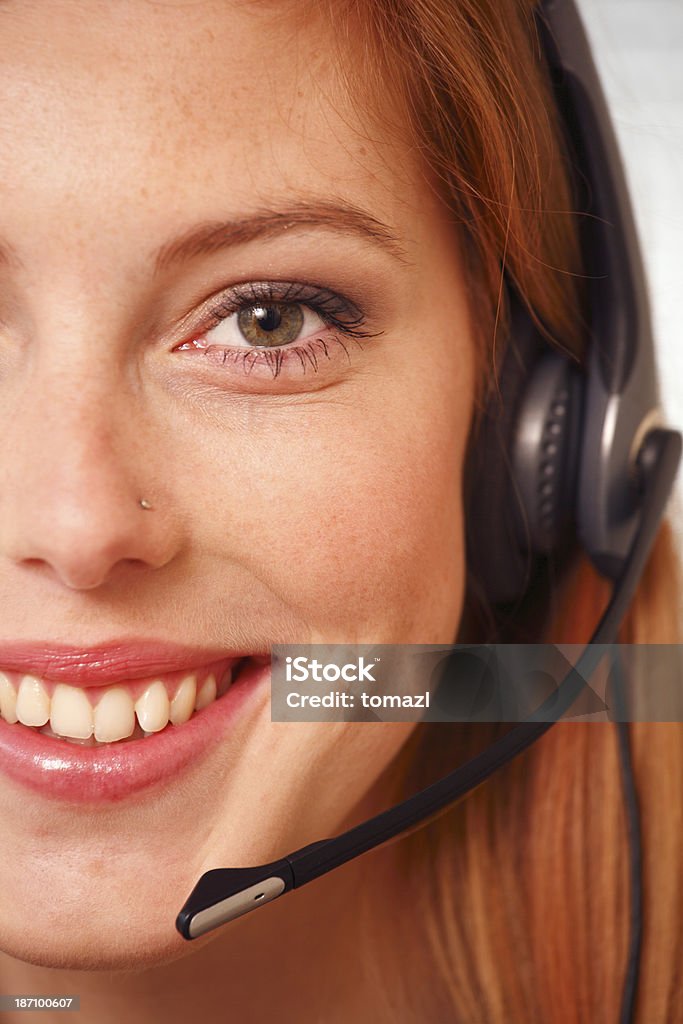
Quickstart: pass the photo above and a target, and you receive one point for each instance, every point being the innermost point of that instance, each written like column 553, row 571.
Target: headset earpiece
column 546, row 451
column 523, row 463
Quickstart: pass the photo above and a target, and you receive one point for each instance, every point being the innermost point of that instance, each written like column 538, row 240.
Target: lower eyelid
column 307, row 359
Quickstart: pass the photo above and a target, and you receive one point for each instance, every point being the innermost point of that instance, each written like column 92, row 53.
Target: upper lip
column 108, row 662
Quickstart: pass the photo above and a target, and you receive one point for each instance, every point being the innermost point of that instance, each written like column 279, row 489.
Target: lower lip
column 66, row 771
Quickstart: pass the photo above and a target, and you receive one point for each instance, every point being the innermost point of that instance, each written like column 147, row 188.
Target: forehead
column 179, row 100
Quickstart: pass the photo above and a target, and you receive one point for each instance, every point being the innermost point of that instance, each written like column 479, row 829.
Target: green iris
column 271, row 324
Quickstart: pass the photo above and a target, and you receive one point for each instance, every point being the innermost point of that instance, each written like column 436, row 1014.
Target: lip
column 107, row 774
column 109, row 663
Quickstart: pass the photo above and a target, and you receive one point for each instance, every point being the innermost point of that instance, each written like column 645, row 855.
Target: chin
column 82, row 937
column 69, row 911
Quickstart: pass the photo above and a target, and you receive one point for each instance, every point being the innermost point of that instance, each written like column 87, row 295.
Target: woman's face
column 162, row 165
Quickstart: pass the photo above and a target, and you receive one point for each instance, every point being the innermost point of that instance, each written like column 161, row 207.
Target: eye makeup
column 255, row 312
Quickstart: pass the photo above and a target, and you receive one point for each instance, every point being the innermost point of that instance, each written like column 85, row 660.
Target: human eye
column 279, row 326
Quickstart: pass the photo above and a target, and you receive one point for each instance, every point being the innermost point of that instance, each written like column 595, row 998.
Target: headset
column 571, row 454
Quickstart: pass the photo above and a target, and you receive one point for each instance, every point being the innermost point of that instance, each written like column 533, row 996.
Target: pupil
column 267, row 317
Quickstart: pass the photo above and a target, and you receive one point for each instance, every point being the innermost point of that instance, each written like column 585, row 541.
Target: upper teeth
column 70, row 713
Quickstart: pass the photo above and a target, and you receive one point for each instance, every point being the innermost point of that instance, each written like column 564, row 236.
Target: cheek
column 388, row 524
column 353, row 516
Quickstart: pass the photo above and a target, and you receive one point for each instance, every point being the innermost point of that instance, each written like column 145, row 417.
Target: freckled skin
column 330, row 514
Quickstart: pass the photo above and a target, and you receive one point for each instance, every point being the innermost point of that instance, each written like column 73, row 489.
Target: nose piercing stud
column 143, row 503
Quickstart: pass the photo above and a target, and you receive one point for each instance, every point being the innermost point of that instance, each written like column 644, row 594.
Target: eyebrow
column 212, row 236
column 341, row 217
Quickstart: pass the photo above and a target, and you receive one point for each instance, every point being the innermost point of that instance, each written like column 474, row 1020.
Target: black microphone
column 223, row 894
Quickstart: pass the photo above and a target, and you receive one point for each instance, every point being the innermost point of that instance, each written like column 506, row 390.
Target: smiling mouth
column 117, row 713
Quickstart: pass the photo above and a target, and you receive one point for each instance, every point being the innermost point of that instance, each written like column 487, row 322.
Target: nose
column 77, row 477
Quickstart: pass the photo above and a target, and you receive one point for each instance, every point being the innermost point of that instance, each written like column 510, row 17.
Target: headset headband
column 621, row 400
column 557, row 458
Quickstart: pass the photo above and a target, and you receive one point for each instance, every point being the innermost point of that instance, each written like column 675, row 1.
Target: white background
column 638, row 50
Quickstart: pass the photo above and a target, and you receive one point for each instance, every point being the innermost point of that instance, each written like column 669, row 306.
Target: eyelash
column 336, row 312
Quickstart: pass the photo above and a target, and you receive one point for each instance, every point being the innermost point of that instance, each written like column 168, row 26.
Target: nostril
column 81, row 576
column 87, row 540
